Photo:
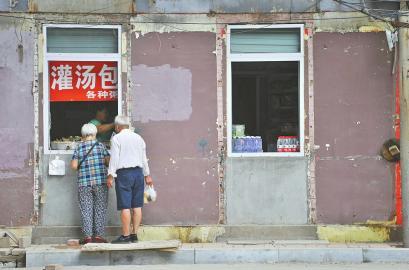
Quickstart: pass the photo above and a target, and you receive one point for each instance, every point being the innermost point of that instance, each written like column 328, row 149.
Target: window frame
column 265, row 57
column 74, row 57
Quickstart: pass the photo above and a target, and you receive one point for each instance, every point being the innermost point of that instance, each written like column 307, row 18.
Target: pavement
column 367, row 266
column 223, row 253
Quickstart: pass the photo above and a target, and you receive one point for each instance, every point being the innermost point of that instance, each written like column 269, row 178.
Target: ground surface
column 244, row 267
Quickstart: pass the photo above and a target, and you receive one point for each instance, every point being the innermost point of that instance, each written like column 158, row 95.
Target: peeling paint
column 144, row 24
column 220, row 123
column 310, row 151
column 371, row 28
column 354, row 234
column 124, row 52
column 350, row 22
column 82, row 6
column 17, row 136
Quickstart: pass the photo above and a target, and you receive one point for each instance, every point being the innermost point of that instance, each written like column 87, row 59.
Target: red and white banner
column 83, row 80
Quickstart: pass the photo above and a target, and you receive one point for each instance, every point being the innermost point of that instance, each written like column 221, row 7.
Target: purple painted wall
column 16, row 127
column 174, row 108
column 354, row 101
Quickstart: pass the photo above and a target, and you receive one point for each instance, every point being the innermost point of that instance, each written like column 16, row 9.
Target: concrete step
column 60, row 234
column 267, row 232
column 43, row 235
column 280, row 242
column 39, row 256
column 67, row 231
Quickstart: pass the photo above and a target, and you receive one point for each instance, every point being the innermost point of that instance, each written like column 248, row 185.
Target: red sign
column 83, row 80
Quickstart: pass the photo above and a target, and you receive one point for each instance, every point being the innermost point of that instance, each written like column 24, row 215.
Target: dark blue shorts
column 129, row 187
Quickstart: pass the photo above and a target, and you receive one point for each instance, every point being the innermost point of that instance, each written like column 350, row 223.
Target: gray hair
column 89, row 130
column 122, row 120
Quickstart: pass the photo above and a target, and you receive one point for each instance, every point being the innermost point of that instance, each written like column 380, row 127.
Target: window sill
column 58, row 152
column 261, row 155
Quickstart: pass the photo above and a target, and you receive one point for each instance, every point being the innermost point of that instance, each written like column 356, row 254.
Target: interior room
column 67, row 118
column 265, row 102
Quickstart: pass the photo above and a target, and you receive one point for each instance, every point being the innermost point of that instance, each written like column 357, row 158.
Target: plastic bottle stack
column 247, row 144
column 288, row 144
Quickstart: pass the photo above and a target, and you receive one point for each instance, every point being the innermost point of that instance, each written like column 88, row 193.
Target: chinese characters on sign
column 83, row 80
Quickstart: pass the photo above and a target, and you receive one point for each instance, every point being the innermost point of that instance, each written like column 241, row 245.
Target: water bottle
column 259, row 144
column 280, row 144
column 237, row 147
column 247, row 144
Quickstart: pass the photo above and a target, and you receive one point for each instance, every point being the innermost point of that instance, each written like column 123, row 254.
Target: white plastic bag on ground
column 150, row 194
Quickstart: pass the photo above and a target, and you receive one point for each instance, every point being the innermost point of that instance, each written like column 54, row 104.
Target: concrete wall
column 331, row 5
column 173, row 102
column 59, row 205
column 269, row 190
column 82, row 6
column 14, row 5
column 16, row 123
column 246, row 6
column 266, row 191
column 186, row 6
column 59, row 193
column 224, row 6
column 174, row 108
column 354, row 101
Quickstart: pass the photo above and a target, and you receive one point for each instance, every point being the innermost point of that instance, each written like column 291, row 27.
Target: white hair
column 122, row 120
column 89, row 130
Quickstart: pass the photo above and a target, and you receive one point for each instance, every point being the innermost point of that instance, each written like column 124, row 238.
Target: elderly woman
column 90, row 160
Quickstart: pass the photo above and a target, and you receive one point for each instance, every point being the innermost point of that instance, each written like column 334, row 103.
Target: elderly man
column 129, row 167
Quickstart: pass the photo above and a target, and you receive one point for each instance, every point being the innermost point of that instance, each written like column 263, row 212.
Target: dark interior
column 265, row 99
column 67, row 118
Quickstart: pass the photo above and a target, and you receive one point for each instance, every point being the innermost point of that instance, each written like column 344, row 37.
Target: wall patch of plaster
column 162, row 93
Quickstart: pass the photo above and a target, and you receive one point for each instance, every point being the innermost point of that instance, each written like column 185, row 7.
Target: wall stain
column 354, row 234
column 20, row 52
column 202, row 144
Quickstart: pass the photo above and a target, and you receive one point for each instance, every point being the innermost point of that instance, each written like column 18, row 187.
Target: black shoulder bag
column 85, row 157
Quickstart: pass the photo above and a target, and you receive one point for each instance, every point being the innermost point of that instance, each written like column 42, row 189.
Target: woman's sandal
column 99, row 239
column 86, row 240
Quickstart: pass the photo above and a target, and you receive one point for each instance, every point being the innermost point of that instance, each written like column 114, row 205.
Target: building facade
column 311, row 83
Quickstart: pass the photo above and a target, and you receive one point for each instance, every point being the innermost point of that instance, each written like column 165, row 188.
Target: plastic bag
column 149, row 194
column 56, row 167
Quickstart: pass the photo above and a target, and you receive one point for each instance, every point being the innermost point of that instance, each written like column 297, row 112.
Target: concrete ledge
column 365, row 233
column 187, row 234
column 182, row 256
column 38, row 256
column 320, row 255
column 386, row 255
column 74, row 257
column 237, row 255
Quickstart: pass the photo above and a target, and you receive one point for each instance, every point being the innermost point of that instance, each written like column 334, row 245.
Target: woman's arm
column 106, row 161
column 105, row 128
column 74, row 164
column 75, row 158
